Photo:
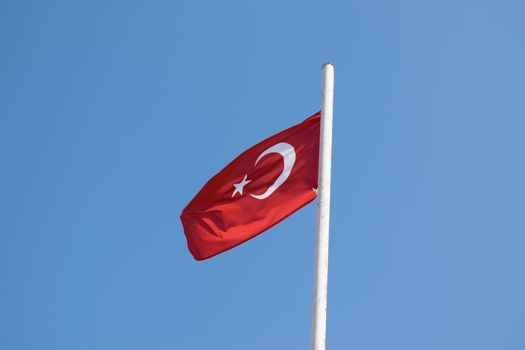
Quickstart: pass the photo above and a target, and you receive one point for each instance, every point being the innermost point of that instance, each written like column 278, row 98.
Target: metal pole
column 323, row 212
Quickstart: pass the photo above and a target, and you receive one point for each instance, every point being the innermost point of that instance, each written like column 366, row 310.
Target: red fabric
column 214, row 221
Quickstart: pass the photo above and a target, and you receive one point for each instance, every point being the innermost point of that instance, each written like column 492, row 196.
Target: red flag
column 258, row 189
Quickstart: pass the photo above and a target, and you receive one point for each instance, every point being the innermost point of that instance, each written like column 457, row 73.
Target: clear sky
column 113, row 114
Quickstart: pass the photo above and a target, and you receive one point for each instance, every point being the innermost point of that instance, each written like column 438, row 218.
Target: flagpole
column 323, row 211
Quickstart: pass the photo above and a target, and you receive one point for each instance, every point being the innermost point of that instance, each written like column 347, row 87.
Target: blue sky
column 113, row 114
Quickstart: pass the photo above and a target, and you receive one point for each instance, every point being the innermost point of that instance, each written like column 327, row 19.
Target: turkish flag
column 258, row 189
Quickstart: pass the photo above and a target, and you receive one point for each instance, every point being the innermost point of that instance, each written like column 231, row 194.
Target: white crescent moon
column 288, row 153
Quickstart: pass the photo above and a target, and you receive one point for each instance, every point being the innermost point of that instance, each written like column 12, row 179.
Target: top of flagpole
column 327, row 64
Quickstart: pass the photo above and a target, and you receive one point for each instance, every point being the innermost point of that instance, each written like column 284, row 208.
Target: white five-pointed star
column 239, row 187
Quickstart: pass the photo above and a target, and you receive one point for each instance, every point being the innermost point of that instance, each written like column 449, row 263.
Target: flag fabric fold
column 262, row 186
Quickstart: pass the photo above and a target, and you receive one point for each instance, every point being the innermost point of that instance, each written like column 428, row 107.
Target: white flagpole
column 323, row 211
